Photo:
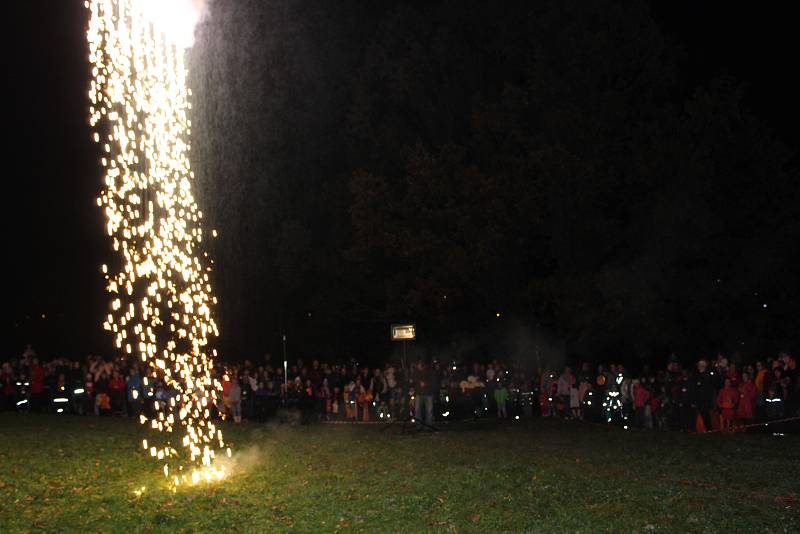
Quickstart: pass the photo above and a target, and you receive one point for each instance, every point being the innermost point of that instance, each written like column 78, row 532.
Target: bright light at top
column 176, row 19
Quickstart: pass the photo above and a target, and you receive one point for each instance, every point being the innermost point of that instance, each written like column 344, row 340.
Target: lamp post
column 285, row 371
column 404, row 333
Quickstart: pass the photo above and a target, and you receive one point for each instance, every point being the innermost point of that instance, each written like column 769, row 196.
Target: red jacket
column 727, row 399
column 7, row 384
column 640, row 396
column 748, row 393
column 116, row 384
column 37, row 378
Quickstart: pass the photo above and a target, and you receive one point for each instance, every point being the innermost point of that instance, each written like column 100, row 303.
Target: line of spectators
column 720, row 394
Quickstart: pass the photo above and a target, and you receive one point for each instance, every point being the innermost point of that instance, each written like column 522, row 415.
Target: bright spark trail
column 161, row 308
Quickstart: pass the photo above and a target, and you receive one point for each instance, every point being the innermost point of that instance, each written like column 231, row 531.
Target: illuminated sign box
column 403, row 332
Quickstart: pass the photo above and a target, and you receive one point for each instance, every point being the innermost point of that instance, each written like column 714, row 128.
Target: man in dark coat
column 703, row 393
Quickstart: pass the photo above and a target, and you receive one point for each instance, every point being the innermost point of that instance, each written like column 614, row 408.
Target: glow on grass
column 161, row 296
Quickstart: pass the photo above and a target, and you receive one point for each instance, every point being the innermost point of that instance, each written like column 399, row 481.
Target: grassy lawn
column 79, row 475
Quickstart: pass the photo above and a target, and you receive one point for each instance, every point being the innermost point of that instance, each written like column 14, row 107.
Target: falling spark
column 161, row 298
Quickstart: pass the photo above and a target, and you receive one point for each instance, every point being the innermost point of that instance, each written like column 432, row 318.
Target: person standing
column 682, row 393
column 585, row 395
column 703, row 393
column 37, row 385
column 748, row 395
column 501, row 398
column 116, row 391
column 234, row 400
column 425, row 385
column 547, row 388
column 133, row 388
column 641, row 398
column 727, row 401
column 563, row 389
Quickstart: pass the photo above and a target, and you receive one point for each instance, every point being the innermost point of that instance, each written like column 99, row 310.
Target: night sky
column 280, row 88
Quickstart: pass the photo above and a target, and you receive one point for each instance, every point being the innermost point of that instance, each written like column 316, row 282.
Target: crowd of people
column 723, row 393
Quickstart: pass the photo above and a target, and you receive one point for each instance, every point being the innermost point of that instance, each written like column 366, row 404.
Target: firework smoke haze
column 161, row 296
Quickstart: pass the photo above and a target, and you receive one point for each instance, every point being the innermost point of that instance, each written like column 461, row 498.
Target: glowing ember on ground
column 161, row 308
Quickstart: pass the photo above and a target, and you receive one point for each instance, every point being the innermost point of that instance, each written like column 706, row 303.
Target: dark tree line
column 447, row 161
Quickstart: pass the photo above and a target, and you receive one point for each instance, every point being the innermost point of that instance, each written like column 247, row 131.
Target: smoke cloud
column 243, row 460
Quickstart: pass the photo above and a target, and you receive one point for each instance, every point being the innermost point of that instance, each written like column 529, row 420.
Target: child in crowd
column 336, row 403
column 326, row 396
column 232, row 398
column 364, row 399
column 349, row 401
column 641, row 402
column 575, row 401
column 748, row 393
column 102, row 404
column 547, row 390
column 88, row 399
column 584, row 398
column 727, row 399
column 116, row 390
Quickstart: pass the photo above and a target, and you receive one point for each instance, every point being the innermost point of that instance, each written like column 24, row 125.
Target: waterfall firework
column 161, row 296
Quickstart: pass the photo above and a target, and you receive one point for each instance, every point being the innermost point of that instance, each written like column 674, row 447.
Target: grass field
column 79, row 475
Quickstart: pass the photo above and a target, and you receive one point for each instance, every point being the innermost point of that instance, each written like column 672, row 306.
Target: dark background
column 614, row 179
